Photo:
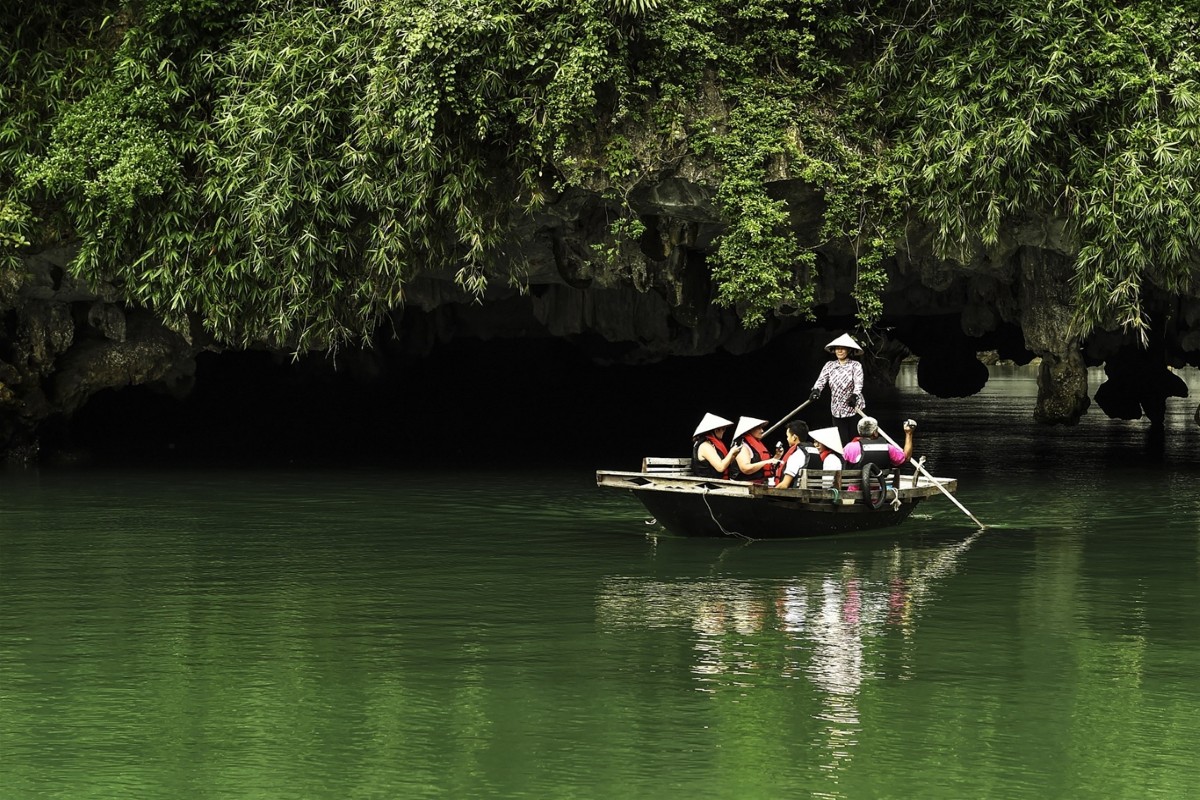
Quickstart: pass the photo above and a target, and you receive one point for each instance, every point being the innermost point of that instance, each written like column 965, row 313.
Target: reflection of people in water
column 828, row 618
column 838, row 643
column 899, row 602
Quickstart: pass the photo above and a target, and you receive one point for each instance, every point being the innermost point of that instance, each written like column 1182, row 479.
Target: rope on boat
column 920, row 465
column 895, row 498
column 718, row 522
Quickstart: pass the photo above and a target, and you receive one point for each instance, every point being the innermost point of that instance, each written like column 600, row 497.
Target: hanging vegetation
column 1002, row 112
column 279, row 170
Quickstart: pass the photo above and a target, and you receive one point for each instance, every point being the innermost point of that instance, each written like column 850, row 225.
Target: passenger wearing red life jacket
column 754, row 462
column 813, row 450
column 710, row 457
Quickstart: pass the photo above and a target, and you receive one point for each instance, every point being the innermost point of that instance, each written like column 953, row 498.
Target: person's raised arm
column 910, row 425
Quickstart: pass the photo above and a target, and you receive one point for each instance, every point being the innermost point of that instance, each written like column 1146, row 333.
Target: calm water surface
column 385, row 635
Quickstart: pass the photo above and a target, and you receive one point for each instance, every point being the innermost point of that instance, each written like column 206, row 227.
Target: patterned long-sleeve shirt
column 844, row 378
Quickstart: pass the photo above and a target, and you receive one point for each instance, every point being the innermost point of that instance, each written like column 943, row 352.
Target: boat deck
column 674, row 475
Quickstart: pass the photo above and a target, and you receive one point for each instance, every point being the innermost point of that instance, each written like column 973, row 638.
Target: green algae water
column 379, row 634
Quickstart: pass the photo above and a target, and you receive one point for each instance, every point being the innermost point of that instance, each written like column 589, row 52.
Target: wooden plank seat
column 667, row 466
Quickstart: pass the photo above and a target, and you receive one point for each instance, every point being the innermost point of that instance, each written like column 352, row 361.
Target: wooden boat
column 689, row 505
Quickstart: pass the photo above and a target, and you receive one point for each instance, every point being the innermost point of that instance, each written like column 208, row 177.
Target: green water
column 379, row 634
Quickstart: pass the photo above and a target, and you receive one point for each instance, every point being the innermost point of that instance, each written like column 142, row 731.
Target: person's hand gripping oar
column 932, row 480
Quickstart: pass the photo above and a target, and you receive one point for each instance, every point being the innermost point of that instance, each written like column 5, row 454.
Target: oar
column 793, row 413
column 933, row 480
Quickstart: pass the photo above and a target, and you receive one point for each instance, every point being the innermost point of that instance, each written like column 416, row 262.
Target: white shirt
column 798, row 459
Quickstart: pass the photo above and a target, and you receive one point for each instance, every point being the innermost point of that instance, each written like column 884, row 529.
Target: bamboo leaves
column 279, row 169
column 1089, row 116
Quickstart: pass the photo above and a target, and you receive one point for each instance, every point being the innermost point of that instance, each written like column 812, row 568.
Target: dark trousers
column 847, row 427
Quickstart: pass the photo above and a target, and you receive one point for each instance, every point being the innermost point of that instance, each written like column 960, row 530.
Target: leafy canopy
column 280, row 170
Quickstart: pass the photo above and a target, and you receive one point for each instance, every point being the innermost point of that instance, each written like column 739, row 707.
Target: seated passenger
column 710, row 457
column 816, row 450
column 867, row 448
column 754, row 462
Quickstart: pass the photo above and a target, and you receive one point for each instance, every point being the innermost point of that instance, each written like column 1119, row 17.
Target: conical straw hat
column 845, row 341
column 710, row 423
column 828, row 437
column 745, row 425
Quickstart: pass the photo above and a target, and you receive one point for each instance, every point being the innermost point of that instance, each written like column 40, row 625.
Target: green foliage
column 285, row 185
column 14, row 224
column 280, row 170
column 634, row 6
column 1003, row 111
column 781, row 72
column 107, row 153
column 622, row 229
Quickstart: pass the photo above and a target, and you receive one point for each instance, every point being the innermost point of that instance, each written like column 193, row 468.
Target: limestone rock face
column 639, row 302
column 1046, row 320
column 66, row 342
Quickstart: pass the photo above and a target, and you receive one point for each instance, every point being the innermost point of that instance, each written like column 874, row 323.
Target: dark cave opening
column 533, row 402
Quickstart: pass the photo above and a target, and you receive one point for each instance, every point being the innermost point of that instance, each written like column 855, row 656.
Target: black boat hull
column 692, row 514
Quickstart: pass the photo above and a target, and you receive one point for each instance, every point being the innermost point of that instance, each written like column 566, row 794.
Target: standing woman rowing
column 845, row 379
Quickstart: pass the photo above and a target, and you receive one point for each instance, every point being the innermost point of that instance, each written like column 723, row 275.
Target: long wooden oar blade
column 933, row 480
column 787, row 417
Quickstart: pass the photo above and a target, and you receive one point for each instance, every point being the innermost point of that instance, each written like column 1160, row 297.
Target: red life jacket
column 703, row 468
column 826, row 453
column 760, row 454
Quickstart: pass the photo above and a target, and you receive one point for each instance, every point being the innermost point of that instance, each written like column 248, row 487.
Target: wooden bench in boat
column 667, row 466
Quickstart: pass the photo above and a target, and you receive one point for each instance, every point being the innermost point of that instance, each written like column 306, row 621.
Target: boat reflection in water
column 825, row 626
